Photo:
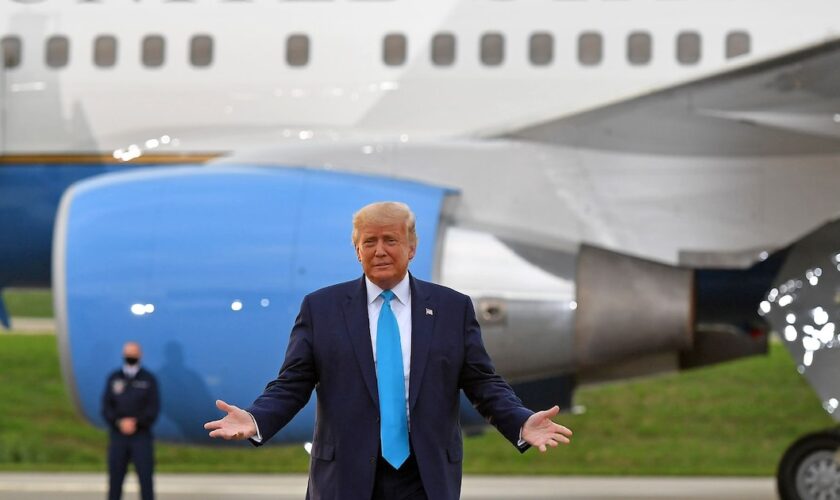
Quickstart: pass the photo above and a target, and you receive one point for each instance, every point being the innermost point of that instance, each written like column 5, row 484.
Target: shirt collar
column 402, row 290
column 131, row 371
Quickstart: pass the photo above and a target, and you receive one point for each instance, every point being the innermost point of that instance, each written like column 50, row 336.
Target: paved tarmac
column 85, row 486
column 32, row 325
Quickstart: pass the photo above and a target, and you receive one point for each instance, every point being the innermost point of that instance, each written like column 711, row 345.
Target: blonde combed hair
column 385, row 212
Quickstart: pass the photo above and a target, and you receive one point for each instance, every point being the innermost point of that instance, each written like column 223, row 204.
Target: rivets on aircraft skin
column 816, row 332
column 764, row 308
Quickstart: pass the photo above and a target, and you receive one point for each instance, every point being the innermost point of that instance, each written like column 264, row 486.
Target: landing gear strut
column 810, row 468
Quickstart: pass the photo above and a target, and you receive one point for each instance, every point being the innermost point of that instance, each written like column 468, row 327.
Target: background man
column 130, row 405
column 387, row 355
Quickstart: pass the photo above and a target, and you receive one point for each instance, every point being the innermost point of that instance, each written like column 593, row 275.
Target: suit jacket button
column 372, row 460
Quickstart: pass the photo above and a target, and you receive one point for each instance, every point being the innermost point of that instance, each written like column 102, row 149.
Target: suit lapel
column 358, row 328
column 422, row 328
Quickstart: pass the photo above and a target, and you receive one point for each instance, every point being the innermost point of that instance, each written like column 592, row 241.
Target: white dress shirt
column 401, row 305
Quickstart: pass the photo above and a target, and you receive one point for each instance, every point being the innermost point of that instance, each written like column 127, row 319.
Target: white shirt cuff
column 257, row 438
column 519, row 444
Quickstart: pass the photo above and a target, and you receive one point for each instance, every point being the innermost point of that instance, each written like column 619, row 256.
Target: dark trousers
column 398, row 484
column 138, row 449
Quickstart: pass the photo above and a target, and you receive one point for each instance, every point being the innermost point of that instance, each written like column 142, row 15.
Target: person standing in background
column 130, row 405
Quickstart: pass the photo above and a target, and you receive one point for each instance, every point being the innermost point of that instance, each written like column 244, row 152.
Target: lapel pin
column 429, row 312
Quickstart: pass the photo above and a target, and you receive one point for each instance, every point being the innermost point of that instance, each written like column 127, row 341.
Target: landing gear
column 810, row 468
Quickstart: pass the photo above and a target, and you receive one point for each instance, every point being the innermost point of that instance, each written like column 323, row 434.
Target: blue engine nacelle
column 206, row 268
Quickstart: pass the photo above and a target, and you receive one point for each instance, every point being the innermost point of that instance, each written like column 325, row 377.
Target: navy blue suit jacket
column 330, row 351
column 131, row 397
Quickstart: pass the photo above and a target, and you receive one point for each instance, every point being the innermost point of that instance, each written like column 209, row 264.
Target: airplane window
column 492, row 49
column 58, row 51
column 153, row 50
column 297, row 50
column 201, row 50
column 541, row 49
column 590, row 48
column 688, row 47
column 393, row 49
column 638, row 48
column 737, row 44
column 443, row 49
column 105, row 51
column 10, row 51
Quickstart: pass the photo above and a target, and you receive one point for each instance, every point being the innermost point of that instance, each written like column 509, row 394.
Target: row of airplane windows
column 590, row 49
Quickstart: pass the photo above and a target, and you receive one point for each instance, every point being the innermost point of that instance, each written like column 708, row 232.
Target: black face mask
column 131, row 361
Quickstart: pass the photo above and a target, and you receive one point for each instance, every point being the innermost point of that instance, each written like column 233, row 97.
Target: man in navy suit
column 387, row 355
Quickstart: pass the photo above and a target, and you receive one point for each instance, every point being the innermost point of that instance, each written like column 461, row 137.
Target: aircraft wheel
column 810, row 468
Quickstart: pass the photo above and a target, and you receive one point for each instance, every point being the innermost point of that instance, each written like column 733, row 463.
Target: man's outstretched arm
column 282, row 398
column 497, row 402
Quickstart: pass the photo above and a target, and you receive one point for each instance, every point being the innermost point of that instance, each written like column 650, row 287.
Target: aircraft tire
column 810, row 468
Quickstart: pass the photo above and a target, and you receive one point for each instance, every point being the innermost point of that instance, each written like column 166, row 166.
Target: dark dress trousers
column 330, row 351
column 131, row 397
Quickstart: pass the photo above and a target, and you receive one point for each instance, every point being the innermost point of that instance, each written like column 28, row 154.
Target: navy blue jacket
column 131, row 397
column 330, row 351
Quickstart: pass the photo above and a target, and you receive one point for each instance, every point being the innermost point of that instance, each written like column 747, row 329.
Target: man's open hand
column 541, row 432
column 237, row 424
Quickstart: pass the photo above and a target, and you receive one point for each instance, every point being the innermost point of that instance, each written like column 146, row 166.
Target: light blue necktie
column 393, row 426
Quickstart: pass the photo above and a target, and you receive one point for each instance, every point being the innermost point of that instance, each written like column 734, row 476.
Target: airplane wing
column 788, row 105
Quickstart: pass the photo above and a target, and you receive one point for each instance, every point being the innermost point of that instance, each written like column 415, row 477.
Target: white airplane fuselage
column 345, row 108
column 249, row 93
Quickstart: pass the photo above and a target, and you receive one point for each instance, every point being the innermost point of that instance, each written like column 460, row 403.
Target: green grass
column 31, row 303
column 732, row 419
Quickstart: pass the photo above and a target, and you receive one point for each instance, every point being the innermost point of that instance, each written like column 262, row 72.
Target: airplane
column 623, row 187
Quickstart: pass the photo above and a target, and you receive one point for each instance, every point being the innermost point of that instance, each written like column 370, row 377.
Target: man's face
column 132, row 350
column 384, row 251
